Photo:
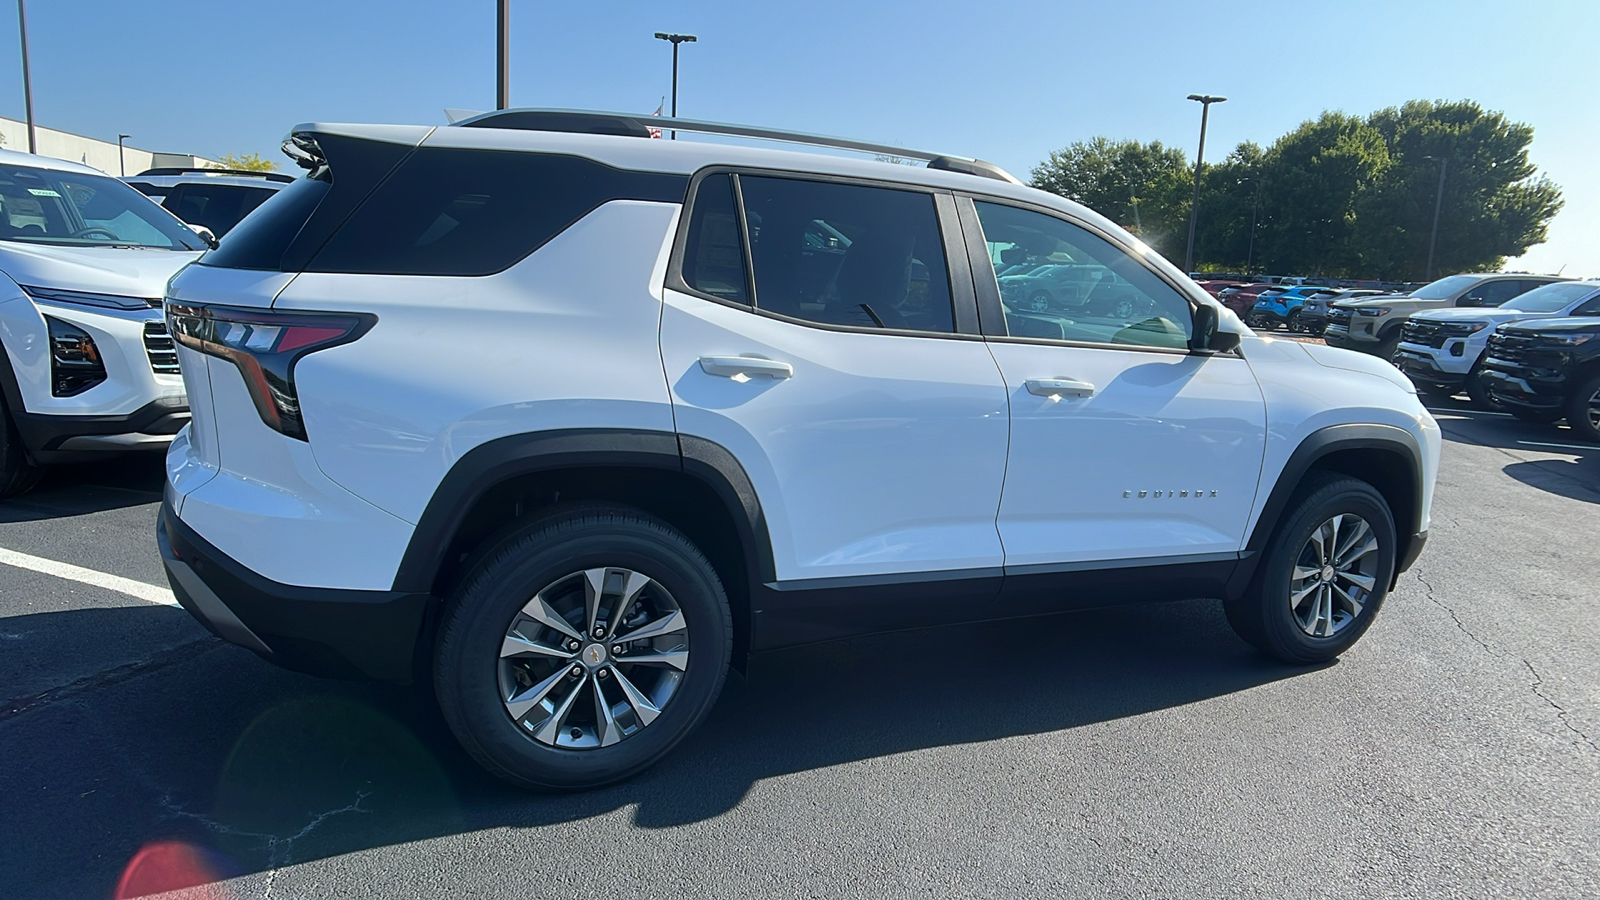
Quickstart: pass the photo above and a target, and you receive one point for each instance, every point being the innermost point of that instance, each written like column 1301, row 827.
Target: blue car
column 1281, row 309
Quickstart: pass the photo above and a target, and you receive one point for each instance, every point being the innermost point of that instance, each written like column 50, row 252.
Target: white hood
column 1492, row 315
column 99, row 270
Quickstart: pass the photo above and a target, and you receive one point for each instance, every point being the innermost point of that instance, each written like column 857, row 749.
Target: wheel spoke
column 1325, row 611
column 1318, row 540
column 1355, row 605
column 551, row 729
column 636, row 583
column 642, row 707
column 1301, row 573
column 594, row 585
column 1355, row 554
column 605, row 722
column 519, row 704
column 1297, row 596
column 515, row 645
column 668, row 624
column 539, row 611
column 1353, row 537
column 678, row 659
column 1365, row 582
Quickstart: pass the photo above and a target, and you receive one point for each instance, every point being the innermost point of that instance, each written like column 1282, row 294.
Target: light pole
column 1438, row 201
column 1205, row 101
column 27, row 81
column 676, row 39
column 1255, row 208
column 502, row 93
column 122, row 161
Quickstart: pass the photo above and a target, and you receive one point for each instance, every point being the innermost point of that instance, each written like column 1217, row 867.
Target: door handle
column 735, row 366
column 1059, row 387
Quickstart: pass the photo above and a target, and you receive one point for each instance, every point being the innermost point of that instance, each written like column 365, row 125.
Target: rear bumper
column 321, row 631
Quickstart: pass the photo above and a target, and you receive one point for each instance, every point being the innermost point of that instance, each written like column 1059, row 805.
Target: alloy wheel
column 1334, row 576
column 1594, row 411
column 593, row 658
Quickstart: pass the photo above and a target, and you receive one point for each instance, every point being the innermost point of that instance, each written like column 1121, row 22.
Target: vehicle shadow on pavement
column 133, row 479
column 244, row 767
column 1577, row 478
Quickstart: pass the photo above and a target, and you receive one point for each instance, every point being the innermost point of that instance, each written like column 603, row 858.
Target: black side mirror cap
column 1207, row 339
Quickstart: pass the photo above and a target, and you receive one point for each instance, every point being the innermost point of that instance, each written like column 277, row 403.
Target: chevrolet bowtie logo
column 1140, row 495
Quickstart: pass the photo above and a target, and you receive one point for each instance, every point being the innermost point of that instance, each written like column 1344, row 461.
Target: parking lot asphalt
column 1141, row 752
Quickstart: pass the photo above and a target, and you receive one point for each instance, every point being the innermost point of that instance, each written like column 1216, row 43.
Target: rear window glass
column 260, row 239
column 218, row 207
column 448, row 211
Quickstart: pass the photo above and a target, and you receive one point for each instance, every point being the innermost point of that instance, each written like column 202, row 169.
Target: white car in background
column 213, row 199
column 88, row 367
column 1440, row 349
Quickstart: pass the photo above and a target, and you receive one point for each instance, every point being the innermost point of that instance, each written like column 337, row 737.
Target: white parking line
column 1468, row 412
column 1563, row 446
column 147, row 592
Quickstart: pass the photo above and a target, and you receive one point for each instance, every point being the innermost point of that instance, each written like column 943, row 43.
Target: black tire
column 1122, row 308
column 1388, row 347
column 1040, row 301
column 1479, row 392
column 1264, row 616
column 17, row 472
column 467, row 667
column 1293, row 322
column 1583, row 409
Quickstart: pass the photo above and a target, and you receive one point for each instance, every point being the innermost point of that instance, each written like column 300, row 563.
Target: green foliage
column 247, row 162
column 1143, row 187
column 1339, row 195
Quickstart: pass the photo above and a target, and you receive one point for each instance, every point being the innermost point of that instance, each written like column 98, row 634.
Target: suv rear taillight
column 265, row 345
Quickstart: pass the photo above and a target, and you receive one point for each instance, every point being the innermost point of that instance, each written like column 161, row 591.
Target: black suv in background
column 1545, row 369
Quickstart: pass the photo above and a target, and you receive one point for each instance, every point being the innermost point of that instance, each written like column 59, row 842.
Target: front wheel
column 1325, row 573
column 1479, row 392
column 17, row 472
column 1294, row 322
column 1039, row 301
column 1583, row 410
column 582, row 649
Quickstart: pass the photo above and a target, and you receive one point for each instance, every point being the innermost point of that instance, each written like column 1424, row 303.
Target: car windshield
column 48, row 206
column 1444, row 288
column 1551, row 297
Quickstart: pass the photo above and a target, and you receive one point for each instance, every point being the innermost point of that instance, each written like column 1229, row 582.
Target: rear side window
column 448, row 211
column 218, row 207
column 261, row 238
column 713, row 257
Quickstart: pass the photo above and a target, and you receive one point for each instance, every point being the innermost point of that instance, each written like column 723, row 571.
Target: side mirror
column 1207, row 339
column 205, row 235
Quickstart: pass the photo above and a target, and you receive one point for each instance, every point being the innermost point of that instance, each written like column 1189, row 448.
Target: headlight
column 1464, row 328
column 75, row 364
column 1374, row 311
column 1568, row 340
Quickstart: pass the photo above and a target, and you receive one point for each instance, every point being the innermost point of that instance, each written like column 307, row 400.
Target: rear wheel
column 1039, row 301
column 583, row 649
column 1583, row 410
column 1123, row 308
column 1325, row 573
column 17, row 472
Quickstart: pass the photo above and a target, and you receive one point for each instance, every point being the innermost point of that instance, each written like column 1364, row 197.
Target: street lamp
column 27, row 82
column 122, row 162
column 1255, row 209
column 1205, row 101
column 502, row 93
column 1438, row 201
column 676, row 39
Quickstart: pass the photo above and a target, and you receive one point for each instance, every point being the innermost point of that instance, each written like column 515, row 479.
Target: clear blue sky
column 1004, row 81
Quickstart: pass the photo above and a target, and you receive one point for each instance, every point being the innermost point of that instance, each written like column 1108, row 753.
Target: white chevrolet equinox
column 569, row 421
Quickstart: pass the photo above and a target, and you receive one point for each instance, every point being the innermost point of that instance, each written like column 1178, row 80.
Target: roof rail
column 582, row 121
column 175, row 170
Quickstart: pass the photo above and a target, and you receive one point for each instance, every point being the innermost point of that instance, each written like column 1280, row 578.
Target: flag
column 656, row 132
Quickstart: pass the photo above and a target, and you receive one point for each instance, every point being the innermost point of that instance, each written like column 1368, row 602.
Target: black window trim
column 992, row 311
column 964, row 306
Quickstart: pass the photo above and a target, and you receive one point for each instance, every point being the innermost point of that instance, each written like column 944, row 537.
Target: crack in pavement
column 278, row 847
column 16, row 706
column 1538, row 680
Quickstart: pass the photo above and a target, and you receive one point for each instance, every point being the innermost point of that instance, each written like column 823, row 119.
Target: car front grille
column 159, row 347
column 1425, row 333
column 1509, row 348
column 1339, row 316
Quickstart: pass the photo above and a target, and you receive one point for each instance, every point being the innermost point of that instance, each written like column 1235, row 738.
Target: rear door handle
column 1059, row 387
column 734, row 366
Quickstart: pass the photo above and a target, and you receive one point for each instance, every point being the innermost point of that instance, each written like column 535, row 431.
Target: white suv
column 88, row 367
column 1440, row 350
column 569, row 420
column 1372, row 324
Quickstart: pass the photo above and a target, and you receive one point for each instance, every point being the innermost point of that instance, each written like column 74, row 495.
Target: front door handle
column 736, row 366
column 1060, row 387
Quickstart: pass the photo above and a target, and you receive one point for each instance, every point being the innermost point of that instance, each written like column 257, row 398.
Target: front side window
column 844, row 254
column 1492, row 293
column 47, row 206
column 1094, row 292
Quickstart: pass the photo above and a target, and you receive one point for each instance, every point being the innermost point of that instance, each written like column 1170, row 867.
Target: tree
column 1142, row 187
column 247, row 162
column 1314, row 178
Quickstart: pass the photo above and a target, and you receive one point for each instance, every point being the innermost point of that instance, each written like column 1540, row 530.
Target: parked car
column 1282, row 309
column 1548, row 369
column 214, row 199
column 1314, row 312
column 1441, row 350
column 1215, row 287
column 88, row 367
column 1243, row 299
column 552, row 420
column 1373, row 325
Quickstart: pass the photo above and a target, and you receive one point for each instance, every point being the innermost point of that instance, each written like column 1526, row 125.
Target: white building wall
column 91, row 152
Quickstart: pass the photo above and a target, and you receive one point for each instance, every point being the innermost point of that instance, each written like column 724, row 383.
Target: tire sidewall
column 467, row 668
column 1578, row 409
column 1283, row 637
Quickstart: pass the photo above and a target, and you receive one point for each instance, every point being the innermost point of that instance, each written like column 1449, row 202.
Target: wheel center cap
column 593, row 655
column 1327, row 573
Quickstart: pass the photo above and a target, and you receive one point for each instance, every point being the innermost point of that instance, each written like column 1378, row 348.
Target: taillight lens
column 265, row 345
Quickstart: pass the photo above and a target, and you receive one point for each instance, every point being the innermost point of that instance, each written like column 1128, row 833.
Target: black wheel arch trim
column 496, row 461
column 1318, row 446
